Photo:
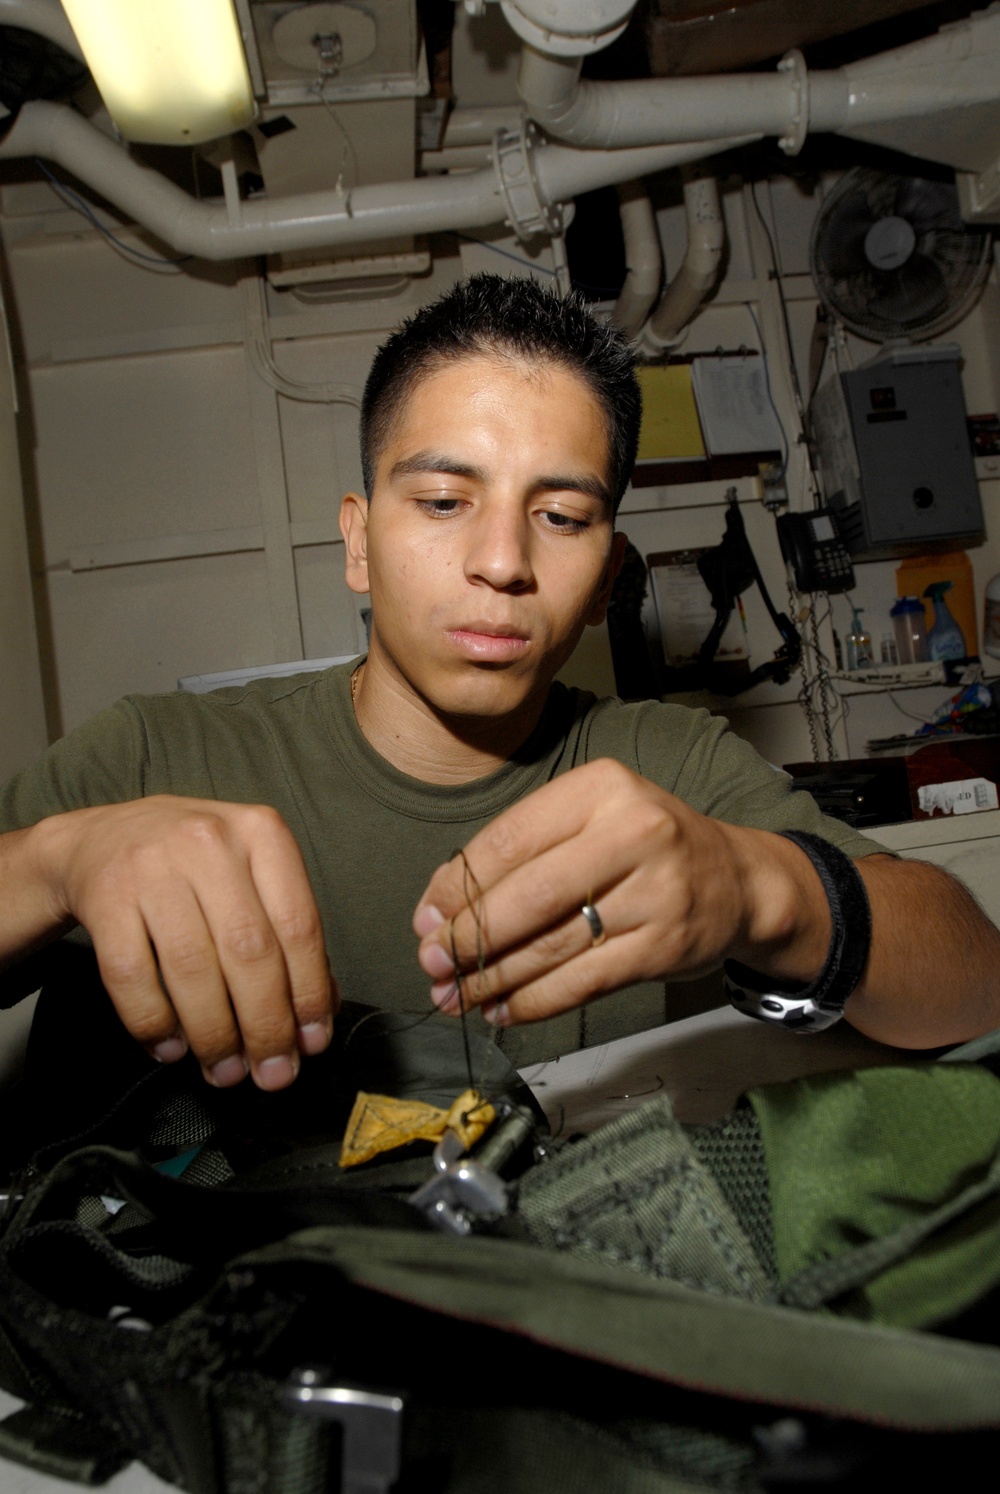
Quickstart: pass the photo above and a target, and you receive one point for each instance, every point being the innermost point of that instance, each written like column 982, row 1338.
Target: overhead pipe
column 643, row 259
column 699, row 270
column 953, row 71
column 599, row 116
column 524, row 187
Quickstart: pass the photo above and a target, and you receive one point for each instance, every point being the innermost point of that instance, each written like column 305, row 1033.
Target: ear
column 616, row 558
column 354, row 527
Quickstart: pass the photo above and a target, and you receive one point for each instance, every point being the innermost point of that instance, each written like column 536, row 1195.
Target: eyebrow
column 437, row 461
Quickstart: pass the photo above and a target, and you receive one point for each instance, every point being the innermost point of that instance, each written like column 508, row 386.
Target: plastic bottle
column 860, row 654
column 945, row 640
column 917, row 572
column 911, row 630
column 991, row 618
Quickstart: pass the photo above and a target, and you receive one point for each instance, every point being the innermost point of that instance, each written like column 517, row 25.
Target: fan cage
column 879, row 304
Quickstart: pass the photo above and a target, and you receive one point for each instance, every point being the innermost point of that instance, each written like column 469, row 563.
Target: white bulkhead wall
column 186, row 513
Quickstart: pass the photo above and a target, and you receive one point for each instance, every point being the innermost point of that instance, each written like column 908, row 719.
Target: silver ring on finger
column 597, row 930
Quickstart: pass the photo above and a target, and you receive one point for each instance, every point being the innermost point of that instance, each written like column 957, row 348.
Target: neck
column 409, row 733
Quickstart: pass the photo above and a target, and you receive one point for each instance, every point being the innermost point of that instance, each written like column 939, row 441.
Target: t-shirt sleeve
column 102, row 762
column 719, row 774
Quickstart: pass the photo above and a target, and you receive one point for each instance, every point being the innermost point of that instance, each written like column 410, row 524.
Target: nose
column 499, row 553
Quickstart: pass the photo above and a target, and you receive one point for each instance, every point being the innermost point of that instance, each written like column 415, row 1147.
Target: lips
column 488, row 641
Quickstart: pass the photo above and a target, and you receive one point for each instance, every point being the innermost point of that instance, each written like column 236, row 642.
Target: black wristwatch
column 812, row 1007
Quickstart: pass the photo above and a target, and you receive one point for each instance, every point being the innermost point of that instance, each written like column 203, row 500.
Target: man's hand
column 205, row 928
column 676, row 893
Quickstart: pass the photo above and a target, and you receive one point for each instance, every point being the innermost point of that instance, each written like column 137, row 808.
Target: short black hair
column 505, row 317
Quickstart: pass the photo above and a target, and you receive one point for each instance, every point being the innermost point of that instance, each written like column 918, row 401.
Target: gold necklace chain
column 355, row 680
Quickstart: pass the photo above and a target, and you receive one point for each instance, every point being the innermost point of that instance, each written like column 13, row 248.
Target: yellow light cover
column 171, row 72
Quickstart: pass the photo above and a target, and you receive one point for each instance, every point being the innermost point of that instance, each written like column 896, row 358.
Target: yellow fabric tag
column 471, row 1116
column 379, row 1123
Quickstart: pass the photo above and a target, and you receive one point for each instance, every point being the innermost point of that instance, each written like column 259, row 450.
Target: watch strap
column 812, row 1007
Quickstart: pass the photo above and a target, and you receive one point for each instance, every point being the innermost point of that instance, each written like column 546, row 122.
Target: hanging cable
column 80, row 205
column 258, row 342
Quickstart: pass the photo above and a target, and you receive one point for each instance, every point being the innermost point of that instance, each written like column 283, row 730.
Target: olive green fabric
column 635, row 1193
column 901, row 1168
column 371, row 836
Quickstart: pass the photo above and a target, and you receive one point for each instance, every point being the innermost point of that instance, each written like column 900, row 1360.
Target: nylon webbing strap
column 636, row 1193
column 60, row 1445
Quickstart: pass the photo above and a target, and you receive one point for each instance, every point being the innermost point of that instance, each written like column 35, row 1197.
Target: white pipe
column 642, row 111
column 470, row 126
column 456, row 158
column 942, row 75
column 45, row 17
column 699, row 269
column 643, row 259
column 315, row 220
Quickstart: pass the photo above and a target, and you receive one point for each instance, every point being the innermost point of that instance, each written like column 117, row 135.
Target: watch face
column 797, row 1013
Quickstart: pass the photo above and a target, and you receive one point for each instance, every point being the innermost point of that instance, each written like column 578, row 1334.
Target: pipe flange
column 568, row 28
column 528, row 212
column 794, row 64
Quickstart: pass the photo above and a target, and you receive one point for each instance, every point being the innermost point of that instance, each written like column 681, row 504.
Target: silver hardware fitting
column 460, row 1189
column 371, row 1422
column 528, row 213
column 8, row 1203
column 331, row 53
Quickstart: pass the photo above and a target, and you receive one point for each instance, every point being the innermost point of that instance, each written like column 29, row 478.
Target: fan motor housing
column 894, row 456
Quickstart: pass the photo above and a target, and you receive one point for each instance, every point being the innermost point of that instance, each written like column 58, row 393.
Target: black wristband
column 810, row 1008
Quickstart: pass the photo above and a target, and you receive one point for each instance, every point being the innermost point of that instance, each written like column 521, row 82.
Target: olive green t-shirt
column 371, row 836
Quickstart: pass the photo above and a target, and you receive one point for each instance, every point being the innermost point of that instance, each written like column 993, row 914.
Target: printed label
column 964, row 796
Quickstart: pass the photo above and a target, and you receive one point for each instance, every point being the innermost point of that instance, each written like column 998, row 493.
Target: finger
column 591, row 974
column 254, row 976
column 551, row 814
column 129, row 974
column 534, row 901
column 516, row 968
column 286, row 896
column 192, row 976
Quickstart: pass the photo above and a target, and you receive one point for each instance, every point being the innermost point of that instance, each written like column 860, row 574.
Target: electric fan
column 891, row 257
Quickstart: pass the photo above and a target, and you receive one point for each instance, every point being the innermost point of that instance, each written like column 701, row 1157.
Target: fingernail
column 426, row 919
column 277, row 1072
column 444, row 995
column 498, row 1015
column 228, row 1071
column 170, row 1050
column 436, row 961
column 315, row 1036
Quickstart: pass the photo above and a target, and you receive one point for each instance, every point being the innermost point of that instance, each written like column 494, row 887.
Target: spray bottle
column 860, row 654
column 945, row 640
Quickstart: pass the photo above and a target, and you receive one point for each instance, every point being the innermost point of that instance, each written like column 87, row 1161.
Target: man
column 219, row 850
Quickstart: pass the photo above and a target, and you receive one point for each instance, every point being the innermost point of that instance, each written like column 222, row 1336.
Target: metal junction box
column 894, row 455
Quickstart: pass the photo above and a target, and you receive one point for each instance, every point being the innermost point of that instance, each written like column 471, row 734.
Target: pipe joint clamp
column 528, row 213
column 794, row 64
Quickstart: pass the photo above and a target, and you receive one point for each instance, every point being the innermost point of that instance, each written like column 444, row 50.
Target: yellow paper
column 380, row 1123
column 670, row 426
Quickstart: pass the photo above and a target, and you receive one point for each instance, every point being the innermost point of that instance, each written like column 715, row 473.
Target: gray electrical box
column 894, row 454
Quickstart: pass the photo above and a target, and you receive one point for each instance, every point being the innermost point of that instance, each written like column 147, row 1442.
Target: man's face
column 488, row 544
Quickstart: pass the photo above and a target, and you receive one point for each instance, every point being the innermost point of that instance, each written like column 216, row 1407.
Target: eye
column 439, row 508
column 563, row 523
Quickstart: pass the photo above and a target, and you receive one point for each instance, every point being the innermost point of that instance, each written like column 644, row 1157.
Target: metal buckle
column 460, row 1190
column 371, row 1422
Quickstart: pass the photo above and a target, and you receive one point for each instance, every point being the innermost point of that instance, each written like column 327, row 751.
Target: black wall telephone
column 813, row 548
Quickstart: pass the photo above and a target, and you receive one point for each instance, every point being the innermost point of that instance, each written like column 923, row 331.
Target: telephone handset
column 813, row 548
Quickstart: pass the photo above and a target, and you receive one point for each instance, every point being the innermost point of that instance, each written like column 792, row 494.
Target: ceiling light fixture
column 171, row 72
